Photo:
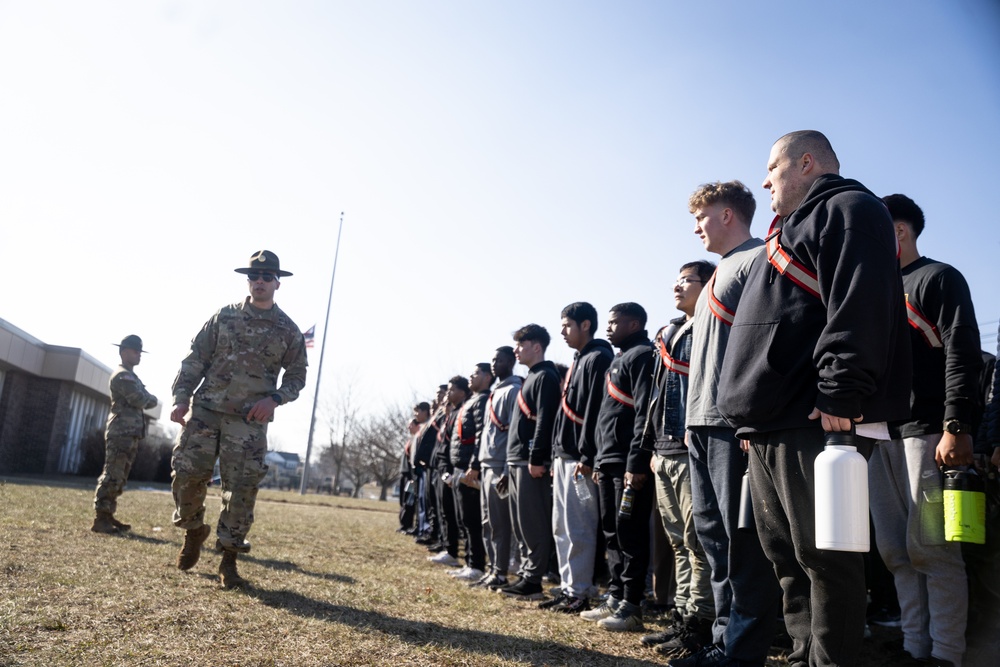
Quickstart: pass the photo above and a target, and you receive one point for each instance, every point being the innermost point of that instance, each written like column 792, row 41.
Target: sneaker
column 457, row 571
column 436, row 547
column 444, row 558
column 627, row 618
column 571, row 605
column 424, row 540
column 692, row 636
column 523, row 590
column 710, row 656
column 496, row 582
column 469, row 574
column 481, row 581
column 673, row 628
column 607, row 608
column 885, row 618
column 549, row 604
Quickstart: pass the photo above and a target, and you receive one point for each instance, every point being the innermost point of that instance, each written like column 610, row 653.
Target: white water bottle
column 841, row 500
column 582, row 485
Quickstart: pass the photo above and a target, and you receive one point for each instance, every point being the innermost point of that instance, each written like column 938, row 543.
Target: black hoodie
column 582, row 397
column 624, row 405
column 846, row 352
column 530, row 436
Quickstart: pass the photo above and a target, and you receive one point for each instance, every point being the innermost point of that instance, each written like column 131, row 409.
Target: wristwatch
column 276, row 398
column 956, row 427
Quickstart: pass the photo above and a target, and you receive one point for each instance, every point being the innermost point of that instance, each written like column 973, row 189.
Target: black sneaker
column 571, row 605
column 549, row 604
column 672, row 630
column 694, row 635
column 496, row 582
column 424, row 540
column 710, row 656
column 523, row 590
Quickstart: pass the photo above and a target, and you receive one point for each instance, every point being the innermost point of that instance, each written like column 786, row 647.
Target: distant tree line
column 359, row 449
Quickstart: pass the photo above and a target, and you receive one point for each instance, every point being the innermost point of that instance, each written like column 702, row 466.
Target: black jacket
column 465, row 440
column 445, row 420
column 624, row 404
column 992, row 416
column 947, row 363
column 846, row 352
column 530, row 436
column 582, row 398
column 424, row 441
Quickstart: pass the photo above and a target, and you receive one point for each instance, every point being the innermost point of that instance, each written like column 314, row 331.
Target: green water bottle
column 964, row 506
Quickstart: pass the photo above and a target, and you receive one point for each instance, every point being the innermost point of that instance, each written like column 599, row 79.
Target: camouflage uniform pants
column 240, row 448
column 119, row 455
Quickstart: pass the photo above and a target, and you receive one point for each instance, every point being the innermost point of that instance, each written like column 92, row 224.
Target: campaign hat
column 130, row 342
column 264, row 261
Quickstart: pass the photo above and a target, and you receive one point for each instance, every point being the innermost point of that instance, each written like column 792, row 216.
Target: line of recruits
column 833, row 322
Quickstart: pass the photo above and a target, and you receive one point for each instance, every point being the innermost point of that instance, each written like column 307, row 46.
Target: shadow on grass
column 135, row 537
column 423, row 633
column 289, row 566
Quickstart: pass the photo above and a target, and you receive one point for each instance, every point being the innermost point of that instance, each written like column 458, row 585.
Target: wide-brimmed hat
column 264, row 261
column 131, row 342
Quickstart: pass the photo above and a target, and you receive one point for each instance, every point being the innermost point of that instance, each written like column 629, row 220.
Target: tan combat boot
column 104, row 524
column 191, row 551
column 227, row 571
column 122, row 527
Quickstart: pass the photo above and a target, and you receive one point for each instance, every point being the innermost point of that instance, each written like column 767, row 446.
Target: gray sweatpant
column 907, row 506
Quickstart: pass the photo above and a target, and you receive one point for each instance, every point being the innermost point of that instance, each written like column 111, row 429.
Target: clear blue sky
column 494, row 161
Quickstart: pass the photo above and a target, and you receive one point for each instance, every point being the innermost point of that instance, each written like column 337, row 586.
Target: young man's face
column 479, row 380
column 575, row 335
column 686, row 291
column 620, row 327
column 262, row 290
column 502, row 365
column 528, row 352
column 130, row 357
column 710, row 225
column 785, row 180
column 455, row 395
column 421, row 415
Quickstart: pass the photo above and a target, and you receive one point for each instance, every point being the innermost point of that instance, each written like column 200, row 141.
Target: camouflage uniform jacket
column 239, row 353
column 128, row 399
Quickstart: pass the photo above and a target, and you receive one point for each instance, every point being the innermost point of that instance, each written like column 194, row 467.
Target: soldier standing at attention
column 236, row 359
column 126, row 426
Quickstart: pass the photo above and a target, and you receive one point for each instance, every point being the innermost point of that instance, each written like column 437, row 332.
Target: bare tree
column 342, row 422
column 384, row 436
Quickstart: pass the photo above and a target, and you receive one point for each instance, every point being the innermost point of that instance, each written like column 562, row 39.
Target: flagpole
column 319, row 371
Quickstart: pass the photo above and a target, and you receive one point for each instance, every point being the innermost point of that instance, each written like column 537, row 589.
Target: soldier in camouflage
column 126, row 426
column 236, row 359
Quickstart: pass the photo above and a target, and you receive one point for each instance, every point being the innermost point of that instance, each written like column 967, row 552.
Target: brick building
column 51, row 397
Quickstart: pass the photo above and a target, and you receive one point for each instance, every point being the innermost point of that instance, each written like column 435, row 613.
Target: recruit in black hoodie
column 846, row 352
column 530, row 436
column 624, row 404
column 576, row 424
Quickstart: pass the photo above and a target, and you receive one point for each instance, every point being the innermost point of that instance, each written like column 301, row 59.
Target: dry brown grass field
column 332, row 584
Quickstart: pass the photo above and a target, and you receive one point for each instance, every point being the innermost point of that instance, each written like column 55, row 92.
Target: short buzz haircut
column 533, row 333
column 904, row 209
column 580, row 312
column 507, row 352
column 460, row 383
column 730, row 194
column 798, row 143
column 702, row 267
column 485, row 368
column 632, row 311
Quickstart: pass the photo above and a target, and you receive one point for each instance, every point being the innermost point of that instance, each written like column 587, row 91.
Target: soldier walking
column 232, row 376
